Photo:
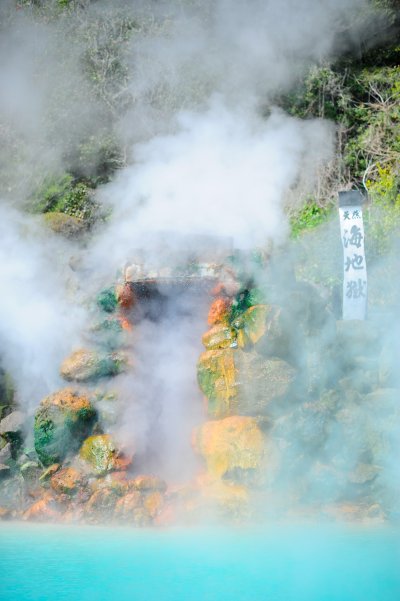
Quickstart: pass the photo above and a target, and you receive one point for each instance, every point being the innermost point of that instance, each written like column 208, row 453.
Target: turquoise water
column 302, row 563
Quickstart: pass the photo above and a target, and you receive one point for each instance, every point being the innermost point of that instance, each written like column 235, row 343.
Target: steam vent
column 200, row 396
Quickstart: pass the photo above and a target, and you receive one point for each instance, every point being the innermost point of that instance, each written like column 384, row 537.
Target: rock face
column 230, row 444
column 100, row 453
column 62, row 421
column 13, row 423
column 85, row 366
column 219, row 337
column 219, row 312
column 66, row 481
column 217, row 377
column 252, row 325
column 244, row 383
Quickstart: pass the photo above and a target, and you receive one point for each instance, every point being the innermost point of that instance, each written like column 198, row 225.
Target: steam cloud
column 210, row 154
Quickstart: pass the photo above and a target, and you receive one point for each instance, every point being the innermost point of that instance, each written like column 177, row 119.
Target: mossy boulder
column 100, row 453
column 62, row 421
column 86, row 365
column 231, row 446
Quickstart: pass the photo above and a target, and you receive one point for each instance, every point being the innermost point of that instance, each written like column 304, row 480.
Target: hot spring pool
column 301, row 563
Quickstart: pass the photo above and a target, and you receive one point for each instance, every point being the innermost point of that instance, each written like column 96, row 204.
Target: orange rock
column 101, row 504
column 122, row 462
column 219, row 311
column 67, row 480
column 146, row 483
column 125, row 323
column 68, row 400
column 166, row 517
column 125, row 295
column 153, row 503
column 5, row 513
column 127, row 505
column 232, row 443
column 43, row 510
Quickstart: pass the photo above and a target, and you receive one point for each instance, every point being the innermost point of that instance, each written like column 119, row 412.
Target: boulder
column 13, row 423
column 125, row 295
column 264, row 384
column 67, row 481
column 62, row 421
column 231, row 446
column 30, row 471
column 5, row 471
column 153, row 503
column 219, row 337
column 219, row 312
column 85, row 365
column 44, row 510
column 126, row 508
column 245, row 383
column 48, row 472
column 5, row 453
column 101, row 504
column 217, row 378
column 252, row 325
column 100, row 453
column 225, row 500
column 148, row 483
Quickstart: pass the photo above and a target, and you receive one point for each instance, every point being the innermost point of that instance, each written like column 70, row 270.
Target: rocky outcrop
column 85, row 365
column 235, row 382
column 67, row 480
column 62, row 421
column 232, row 445
column 100, row 453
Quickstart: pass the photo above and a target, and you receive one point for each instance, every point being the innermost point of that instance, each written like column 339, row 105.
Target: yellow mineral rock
column 231, row 443
column 217, row 379
column 219, row 337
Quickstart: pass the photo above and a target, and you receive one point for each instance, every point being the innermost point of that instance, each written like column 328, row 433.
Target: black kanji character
column 356, row 288
column 356, row 262
column 354, row 239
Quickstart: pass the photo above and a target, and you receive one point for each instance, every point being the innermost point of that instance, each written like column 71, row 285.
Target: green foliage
column 382, row 218
column 364, row 101
column 310, row 216
column 65, row 195
column 96, row 158
column 245, row 299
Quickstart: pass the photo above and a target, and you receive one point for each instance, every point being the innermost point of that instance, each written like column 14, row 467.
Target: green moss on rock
column 62, row 421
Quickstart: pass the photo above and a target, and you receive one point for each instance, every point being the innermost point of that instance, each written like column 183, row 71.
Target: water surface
column 299, row 563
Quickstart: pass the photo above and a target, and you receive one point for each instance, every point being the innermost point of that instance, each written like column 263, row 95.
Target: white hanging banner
column 355, row 268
